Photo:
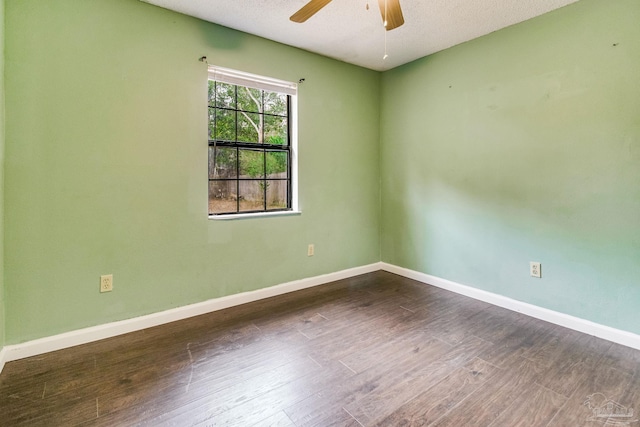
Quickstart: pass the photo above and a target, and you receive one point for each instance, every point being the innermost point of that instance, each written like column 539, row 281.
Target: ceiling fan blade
column 308, row 10
column 394, row 13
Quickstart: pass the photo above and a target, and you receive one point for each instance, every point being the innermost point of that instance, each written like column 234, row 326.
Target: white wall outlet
column 534, row 269
column 106, row 283
column 310, row 250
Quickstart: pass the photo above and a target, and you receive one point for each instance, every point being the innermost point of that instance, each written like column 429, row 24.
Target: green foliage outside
column 242, row 114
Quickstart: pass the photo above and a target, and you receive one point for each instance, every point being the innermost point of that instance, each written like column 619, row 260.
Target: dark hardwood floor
column 374, row 350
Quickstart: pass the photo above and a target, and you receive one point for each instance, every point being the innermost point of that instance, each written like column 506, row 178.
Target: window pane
column 212, row 123
column 225, row 125
column 277, row 164
column 249, row 127
column 222, row 162
column 222, row 197
column 277, row 194
column 211, row 97
column 249, row 99
column 251, row 163
column 275, row 130
column 275, row 103
column 225, row 95
column 251, row 195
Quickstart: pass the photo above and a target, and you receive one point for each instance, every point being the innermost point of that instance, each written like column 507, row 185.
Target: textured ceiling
column 347, row 31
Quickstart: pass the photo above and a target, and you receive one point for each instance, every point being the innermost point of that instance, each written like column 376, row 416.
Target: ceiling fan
column 389, row 9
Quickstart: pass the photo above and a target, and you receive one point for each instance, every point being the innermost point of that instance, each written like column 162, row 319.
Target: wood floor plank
column 221, row 394
column 321, row 407
column 432, row 401
column 494, row 323
column 485, row 405
column 574, row 363
column 374, row 387
column 252, row 410
column 68, row 408
column 454, row 324
column 535, row 407
column 207, row 377
column 356, row 335
column 548, row 352
column 372, row 356
column 519, row 340
column 622, row 358
column 599, row 384
column 631, row 398
column 277, row 420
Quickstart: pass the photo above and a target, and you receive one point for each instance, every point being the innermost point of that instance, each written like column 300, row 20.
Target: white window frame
column 255, row 81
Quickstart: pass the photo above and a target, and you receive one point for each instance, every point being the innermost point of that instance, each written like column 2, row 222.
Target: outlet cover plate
column 535, row 269
column 106, row 283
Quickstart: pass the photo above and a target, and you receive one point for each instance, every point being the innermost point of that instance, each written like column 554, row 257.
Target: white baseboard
column 108, row 330
column 82, row 336
column 628, row 339
column 3, row 355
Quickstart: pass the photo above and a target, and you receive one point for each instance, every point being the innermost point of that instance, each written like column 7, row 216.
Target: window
column 251, row 143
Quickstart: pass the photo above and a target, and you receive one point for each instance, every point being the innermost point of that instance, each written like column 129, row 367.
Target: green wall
column 106, row 166
column 523, row 145
column 2, row 327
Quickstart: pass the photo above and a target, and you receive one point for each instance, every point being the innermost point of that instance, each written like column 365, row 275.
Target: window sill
column 253, row 215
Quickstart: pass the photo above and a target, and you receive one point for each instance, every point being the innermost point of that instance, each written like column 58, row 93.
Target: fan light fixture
column 389, row 10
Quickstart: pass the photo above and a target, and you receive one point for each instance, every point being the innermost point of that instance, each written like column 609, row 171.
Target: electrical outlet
column 534, row 269
column 106, row 283
column 310, row 250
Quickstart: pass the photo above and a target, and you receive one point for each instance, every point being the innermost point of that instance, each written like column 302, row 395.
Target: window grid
column 243, row 147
